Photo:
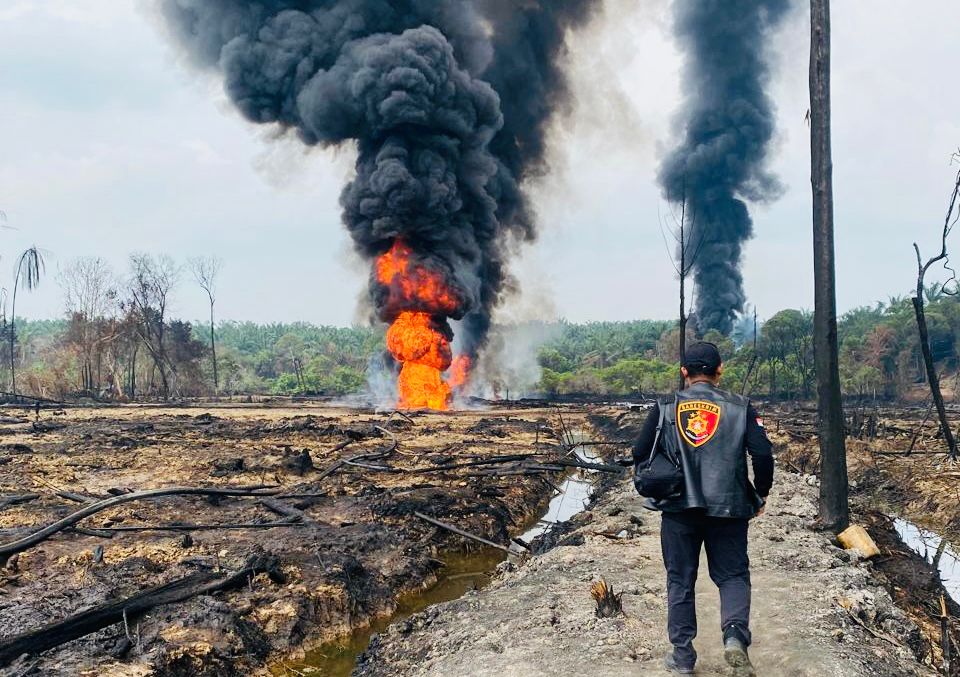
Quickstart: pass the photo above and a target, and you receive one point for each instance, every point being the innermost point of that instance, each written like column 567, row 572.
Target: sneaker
column 670, row 664
column 735, row 653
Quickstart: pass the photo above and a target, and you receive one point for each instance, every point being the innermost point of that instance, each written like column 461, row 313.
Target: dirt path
column 538, row 618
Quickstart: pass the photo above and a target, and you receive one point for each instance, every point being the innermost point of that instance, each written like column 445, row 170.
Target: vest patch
column 697, row 421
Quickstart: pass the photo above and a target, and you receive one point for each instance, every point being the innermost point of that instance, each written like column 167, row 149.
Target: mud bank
column 348, row 558
column 818, row 611
column 471, row 568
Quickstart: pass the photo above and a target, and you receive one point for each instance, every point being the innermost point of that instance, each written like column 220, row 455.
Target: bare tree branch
column 949, row 221
column 205, row 270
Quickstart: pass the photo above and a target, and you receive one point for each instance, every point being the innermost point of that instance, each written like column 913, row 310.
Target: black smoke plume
column 726, row 122
column 447, row 102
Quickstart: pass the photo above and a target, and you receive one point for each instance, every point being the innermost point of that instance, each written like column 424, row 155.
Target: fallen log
column 343, row 445
column 487, row 461
column 16, row 499
column 99, row 617
column 371, row 466
column 544, row 467
column 187, row 526
column 304, row 494
column 7, row 396
column 46, row 532
column 510, row 472
column 99, row 533
column 288, row 511
column 370, row 456
column 397, row 412
column 77, row 498
column 331, row 469
column 465, row 534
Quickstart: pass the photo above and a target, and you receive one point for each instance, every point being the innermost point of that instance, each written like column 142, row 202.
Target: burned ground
column 348, row 483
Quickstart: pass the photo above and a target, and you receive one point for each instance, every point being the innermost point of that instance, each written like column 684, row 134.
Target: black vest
column 707, row 429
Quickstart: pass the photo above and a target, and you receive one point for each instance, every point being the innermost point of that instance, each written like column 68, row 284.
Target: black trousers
column 682, row 535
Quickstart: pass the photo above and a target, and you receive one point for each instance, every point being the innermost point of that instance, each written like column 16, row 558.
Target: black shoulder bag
column 661, row 476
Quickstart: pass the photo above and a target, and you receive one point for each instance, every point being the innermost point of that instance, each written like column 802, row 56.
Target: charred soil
column 340, row 524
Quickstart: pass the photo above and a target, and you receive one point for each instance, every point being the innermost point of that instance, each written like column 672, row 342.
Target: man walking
column 710, row 431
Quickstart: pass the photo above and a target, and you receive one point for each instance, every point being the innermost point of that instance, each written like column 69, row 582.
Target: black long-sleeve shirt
column 758, row 446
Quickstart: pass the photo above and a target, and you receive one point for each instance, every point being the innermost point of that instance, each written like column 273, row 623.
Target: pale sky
column 110, row 144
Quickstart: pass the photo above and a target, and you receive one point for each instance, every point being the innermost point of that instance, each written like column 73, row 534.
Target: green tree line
column 880, row 355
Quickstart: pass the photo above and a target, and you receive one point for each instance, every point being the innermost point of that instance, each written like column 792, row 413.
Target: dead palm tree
column 834, row 508
column 29, row 269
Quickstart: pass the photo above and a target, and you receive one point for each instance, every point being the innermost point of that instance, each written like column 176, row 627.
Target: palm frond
column 31, row 268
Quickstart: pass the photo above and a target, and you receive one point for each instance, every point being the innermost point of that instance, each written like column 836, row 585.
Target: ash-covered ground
column 355, row 548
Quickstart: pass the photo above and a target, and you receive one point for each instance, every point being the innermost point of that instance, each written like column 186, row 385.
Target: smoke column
column 726, row 124
column 447, row 102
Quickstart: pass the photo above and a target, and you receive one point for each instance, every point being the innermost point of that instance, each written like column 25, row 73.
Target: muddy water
column 462, row 572
column 934, row 549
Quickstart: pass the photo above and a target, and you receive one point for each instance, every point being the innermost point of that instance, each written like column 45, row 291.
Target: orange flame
column 421, row 387
column 414, row 286
column 417, row 296
column 425, row 353
column 413, row 338
column 459, row 372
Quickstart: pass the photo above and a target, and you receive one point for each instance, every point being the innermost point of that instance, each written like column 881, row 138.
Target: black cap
column 702, row 356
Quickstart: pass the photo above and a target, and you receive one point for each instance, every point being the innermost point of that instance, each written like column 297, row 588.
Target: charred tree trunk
column 133, row 373
column 213, row 352
column 118, row 611
column 932, row 377
column 925, row 349
column 834, row 509
column 13, row 337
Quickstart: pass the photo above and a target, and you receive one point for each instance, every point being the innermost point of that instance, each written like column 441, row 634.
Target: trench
column 463, row 572
column 935, row 550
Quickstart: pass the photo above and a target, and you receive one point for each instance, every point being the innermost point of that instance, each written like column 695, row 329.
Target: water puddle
column 573, row 498
column 934, row 550
column 463, row 572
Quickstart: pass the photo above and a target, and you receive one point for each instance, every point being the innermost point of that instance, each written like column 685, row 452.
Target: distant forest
column 116, row 357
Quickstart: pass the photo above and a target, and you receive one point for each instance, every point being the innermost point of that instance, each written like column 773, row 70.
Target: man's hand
column 761, row 510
